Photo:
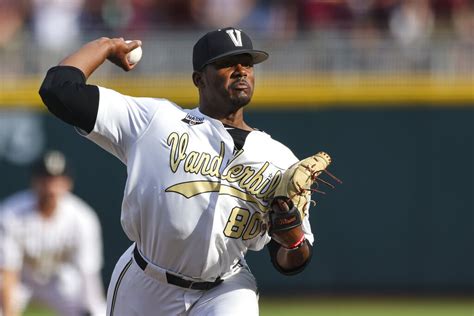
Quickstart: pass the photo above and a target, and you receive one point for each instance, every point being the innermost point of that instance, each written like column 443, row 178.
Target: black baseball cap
column 224, row 42
column 53, row 163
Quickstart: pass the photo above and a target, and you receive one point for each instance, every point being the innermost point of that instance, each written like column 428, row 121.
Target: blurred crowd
column 326, row 35
column 55, row 23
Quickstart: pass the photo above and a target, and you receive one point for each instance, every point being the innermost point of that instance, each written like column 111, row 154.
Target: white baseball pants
column 133, row 293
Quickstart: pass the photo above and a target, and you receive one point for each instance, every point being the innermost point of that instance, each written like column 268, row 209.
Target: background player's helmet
column 52, row 163
column 221, row 43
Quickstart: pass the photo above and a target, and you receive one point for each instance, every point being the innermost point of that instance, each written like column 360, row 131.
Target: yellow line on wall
column 277, row 91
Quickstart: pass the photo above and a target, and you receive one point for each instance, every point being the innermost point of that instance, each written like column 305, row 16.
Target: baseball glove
column 293, row 196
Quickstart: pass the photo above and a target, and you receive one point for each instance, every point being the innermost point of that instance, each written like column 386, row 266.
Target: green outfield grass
column 356, row 306
column 36, row 310
column 352, row 306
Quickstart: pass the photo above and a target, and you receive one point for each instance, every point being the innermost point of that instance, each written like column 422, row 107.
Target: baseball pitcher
column 203, row 186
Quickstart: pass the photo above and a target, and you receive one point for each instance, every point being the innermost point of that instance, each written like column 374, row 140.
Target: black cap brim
column 258, row 56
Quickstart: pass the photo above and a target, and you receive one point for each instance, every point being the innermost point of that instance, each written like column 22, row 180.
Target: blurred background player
column 50, row 245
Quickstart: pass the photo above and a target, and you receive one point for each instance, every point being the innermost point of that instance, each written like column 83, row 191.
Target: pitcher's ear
column 198, row 79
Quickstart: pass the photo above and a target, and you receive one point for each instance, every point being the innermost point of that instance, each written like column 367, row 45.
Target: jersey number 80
column 241, row 224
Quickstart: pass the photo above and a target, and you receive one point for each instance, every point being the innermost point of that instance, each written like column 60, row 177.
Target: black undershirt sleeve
column 65, row 93
column 273, row 247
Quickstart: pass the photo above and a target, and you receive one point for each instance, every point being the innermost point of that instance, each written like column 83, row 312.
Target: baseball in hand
column 135, row 55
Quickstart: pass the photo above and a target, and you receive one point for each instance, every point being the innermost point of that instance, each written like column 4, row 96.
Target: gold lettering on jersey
column 266, row 192
column 204, row 164
column 233, row 174
column 178, row 147
column 248, row 179
column 194, row 162
column 216, row 163
column 254, row 186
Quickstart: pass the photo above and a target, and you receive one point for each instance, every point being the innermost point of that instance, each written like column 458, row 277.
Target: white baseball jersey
column 192, row 203
column 45, row 250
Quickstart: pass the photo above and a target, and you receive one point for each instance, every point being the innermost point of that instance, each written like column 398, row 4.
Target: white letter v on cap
column 235, row 37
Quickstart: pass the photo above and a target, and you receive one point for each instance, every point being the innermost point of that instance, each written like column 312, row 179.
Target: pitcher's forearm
column 290, row 259
column 90, row 56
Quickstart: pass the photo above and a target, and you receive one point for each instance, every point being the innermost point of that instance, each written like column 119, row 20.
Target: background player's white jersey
column 58, row 258
column 192, row 203
column 40, row 246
